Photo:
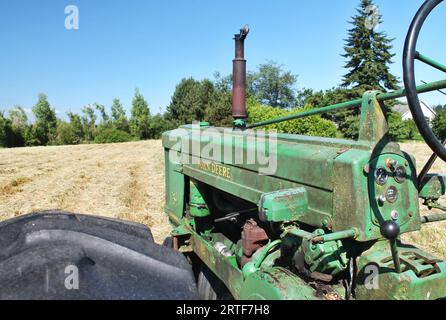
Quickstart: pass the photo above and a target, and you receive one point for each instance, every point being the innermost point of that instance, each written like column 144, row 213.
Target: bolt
column 391, row 163
column 381, row 199
column 394, row 214
column 325, row 222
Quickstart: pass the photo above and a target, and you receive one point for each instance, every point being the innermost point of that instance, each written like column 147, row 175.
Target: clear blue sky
column 121, row 45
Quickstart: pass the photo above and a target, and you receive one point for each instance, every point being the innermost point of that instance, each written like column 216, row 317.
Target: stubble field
column 123, row 181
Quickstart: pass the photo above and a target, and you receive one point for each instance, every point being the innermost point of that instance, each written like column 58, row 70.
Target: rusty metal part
column 253, row 239
column 239, row 76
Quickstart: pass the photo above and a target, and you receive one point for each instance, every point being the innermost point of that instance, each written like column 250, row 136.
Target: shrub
column 312, row 126
column 112, row 135
column 65, row 134
column 439, row 123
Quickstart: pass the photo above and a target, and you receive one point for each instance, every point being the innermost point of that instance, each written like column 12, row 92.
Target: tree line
column 272, row 91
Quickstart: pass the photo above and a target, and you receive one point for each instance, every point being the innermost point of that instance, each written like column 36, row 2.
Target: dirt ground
column 123, row 181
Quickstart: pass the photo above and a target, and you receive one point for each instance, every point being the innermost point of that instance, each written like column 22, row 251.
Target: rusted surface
column 239, row 76
column 253, row 238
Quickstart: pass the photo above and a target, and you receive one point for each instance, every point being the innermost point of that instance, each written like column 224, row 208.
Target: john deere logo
column 216, row 169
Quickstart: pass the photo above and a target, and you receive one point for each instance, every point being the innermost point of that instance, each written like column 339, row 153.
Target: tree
column 272, row 86
column 186, row 105
column 439, row 122
column 158, row 125
column 368, row 53
column 119, row 118
column 89, row 122
column 46, row 121
column 105, row 118
column 313, row 126
column 140, row 117
column 77, row 127
column 18, row 129
column 66, row 134
column 219, row 111
column 2, row 130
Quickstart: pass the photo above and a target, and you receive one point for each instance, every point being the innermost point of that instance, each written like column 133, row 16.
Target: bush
column 439, row 123
column 112, row 135
column 312, row 126
column 65, row 134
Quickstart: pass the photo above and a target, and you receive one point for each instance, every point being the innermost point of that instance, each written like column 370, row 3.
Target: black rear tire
column 168, row 242
column 210, row 287
column 60, row 255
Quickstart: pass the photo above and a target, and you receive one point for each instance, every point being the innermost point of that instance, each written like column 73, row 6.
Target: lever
column 391, row 230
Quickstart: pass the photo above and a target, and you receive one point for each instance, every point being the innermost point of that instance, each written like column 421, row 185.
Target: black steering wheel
column 410, row 54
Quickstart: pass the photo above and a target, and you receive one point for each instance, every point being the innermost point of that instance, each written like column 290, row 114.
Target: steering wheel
column 410, row 54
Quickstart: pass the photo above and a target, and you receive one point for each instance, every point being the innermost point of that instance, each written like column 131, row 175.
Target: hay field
column 123, row 181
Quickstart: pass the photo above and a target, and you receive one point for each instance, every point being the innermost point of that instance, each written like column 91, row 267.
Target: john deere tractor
column 256, row 214
column 326, row 222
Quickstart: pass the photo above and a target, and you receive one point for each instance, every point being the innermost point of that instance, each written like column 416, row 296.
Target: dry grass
column 432, row 237
column 123, row 181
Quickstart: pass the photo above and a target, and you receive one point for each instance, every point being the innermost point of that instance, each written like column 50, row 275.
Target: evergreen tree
column 46, row 121
column 119, row 117
column 368, row 52
column 140, row 117
column 186, row 104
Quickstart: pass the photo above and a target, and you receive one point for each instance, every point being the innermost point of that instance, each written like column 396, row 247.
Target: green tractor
column 324, row 219
column 255, row 215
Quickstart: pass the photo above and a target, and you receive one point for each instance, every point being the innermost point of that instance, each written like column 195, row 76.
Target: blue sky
column 121, row 45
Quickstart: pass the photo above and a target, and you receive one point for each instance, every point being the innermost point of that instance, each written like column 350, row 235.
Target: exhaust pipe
column 239, row 80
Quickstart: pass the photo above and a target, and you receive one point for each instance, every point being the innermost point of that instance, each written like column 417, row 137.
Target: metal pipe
column 346, row 234
column 395, row 256
column 427, row 167
column 434, row 217
column 239, row 77
column 430, row 61
column 300, row 233
column 433, row 86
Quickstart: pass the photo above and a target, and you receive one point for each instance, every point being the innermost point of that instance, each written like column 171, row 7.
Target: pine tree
column 368, row 52
column 46, row 121
column 140, row 120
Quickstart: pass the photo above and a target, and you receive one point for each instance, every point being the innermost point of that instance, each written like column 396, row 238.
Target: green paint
column 284, row 205
column 325, row 202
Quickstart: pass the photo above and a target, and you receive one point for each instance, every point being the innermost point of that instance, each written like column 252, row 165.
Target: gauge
column 392, row 194
column 381, row 176
column 400, row 174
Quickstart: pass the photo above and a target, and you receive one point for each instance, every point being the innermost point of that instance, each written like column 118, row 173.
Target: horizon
column 121, row 46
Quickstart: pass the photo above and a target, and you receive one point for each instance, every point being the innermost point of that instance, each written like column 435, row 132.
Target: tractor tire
column 60, row 255
column 210, row 287
column 168, row 242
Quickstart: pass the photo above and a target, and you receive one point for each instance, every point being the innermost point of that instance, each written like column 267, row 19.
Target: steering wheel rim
column 409, row 57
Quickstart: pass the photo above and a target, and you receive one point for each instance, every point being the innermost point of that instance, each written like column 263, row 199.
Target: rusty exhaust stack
column 239, row 80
